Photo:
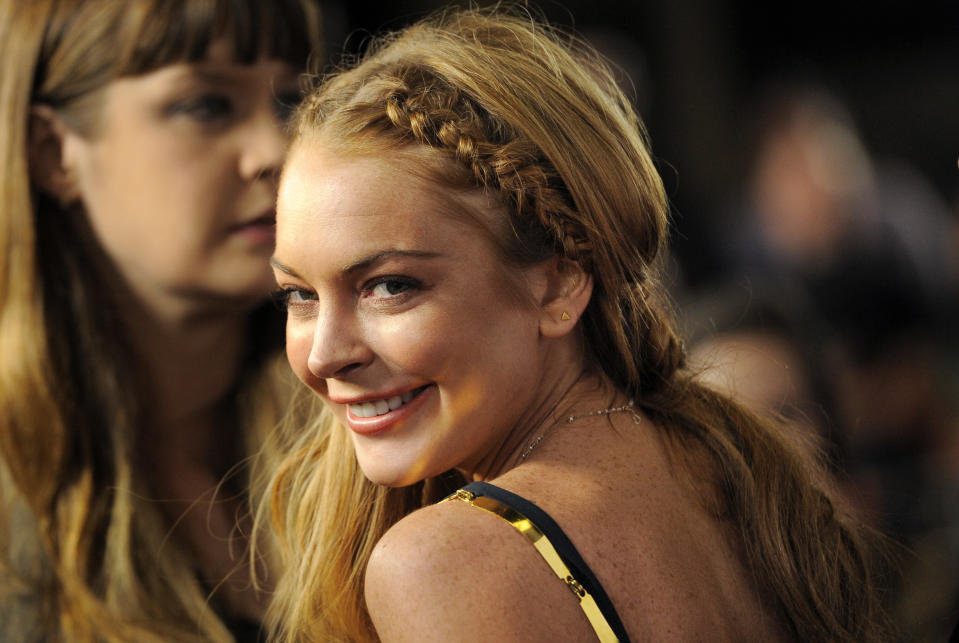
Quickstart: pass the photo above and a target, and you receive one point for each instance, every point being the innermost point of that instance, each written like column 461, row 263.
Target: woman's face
column 400, row 316
column 179, row 177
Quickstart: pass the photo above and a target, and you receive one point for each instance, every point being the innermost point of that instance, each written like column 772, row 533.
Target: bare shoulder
column 453, row 572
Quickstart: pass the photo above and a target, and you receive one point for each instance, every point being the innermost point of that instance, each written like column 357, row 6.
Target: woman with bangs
column 469, row 239
column 138, row 370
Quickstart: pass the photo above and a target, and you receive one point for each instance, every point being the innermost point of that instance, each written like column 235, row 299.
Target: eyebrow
column 363, row 263
column 282, row 267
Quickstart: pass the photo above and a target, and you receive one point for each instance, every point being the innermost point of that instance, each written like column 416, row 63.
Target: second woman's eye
column 206, row 108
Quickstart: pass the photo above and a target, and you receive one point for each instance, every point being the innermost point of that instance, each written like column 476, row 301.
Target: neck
column 190, row 360
column 566, row 388
column 189, row 355
column 192, row 364
column 190, row 442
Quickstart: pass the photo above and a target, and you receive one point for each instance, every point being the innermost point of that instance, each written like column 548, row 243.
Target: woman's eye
column 291, row 297
column 387, row 287
column 206, row 108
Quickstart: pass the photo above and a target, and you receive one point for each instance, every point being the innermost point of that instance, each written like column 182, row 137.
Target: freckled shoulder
column 452, row 572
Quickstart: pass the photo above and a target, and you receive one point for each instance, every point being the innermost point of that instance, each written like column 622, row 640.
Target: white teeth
column 379, row 407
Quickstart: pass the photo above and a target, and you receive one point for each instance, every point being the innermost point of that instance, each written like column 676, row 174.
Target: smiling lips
column 381, row 407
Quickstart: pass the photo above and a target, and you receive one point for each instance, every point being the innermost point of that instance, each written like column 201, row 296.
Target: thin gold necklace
column 572, row 418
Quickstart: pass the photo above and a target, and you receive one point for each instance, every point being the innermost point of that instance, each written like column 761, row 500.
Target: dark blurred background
column 810, row 153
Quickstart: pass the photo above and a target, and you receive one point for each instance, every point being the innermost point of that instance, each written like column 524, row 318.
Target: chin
column 390, row 476
column 254, row 289
column 244, row 274
column 220, row 299
column 385, row 479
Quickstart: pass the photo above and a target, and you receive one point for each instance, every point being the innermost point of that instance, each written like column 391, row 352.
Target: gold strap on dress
column 545, row 548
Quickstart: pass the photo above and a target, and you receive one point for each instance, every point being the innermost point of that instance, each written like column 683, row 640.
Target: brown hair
column 80, row 552
column 525, row 112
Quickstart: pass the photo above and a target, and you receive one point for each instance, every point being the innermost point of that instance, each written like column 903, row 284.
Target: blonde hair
column 527, row 113
column 83, row 556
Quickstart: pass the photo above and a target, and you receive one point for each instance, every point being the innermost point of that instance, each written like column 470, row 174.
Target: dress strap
column 555, row 548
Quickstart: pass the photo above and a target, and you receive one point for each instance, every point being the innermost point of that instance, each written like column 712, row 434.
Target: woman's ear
column 568, row 290
column 48, row 169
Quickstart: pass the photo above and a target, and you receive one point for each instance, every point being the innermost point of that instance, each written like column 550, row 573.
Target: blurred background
column 810, row 154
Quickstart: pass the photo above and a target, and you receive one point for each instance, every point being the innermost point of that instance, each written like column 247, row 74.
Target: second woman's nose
column 264, row 145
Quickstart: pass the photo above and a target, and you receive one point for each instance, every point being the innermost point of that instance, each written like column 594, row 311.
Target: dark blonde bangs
column 88, row 44
column 164, row 32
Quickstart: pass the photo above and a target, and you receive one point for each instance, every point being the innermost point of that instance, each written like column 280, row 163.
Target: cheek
column 130, row 201
column 177, row 177
column 103, row 189
column 419, row 343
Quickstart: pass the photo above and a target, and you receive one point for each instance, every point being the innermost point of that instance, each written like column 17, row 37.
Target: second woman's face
column 400, row 316
column 179, row 178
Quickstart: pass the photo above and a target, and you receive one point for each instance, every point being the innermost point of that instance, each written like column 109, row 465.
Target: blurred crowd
column 833, row 305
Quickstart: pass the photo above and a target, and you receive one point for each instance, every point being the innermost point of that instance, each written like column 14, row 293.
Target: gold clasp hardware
column 465, row 495
column 575, row 587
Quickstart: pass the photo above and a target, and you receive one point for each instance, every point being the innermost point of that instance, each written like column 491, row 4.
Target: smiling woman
column 138, row 355
column 393, row 299
column 469, row 226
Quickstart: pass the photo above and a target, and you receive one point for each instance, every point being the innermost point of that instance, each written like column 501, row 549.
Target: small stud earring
column 565, row 316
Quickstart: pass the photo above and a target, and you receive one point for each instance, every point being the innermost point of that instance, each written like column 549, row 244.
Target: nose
column 264, row 145
column 339, row 349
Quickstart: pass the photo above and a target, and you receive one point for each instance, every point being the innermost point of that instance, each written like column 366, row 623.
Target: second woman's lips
column 261, row 228
column 267, row 218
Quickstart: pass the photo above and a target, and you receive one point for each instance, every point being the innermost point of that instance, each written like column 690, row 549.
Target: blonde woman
column 141, row 145
column 468, row 232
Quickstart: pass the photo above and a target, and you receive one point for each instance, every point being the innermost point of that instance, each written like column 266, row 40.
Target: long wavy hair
column 509, row 105
column 82, row 556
